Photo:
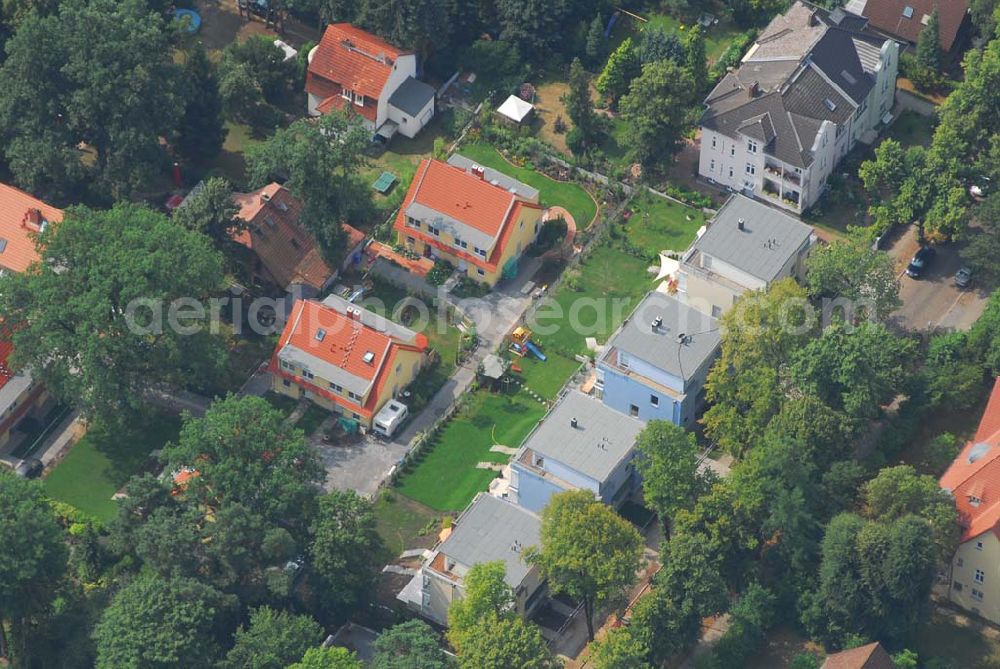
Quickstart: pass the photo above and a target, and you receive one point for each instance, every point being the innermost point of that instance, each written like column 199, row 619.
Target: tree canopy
column 160, row 624
column 320, row 159
column 587, row 551
column 410, row 645
column 668, row 464
column 108, row 312
column 850, row 269
column 273, row 640
column 55, row 99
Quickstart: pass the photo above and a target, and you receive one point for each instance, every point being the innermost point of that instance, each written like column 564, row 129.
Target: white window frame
column 980, row 576
column 752, row 145
column 359, row 99
column 346, row 93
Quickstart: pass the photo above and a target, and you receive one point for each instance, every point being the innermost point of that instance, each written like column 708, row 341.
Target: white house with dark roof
column 489, row 530
column 581, row 444
column 654, row 366
column 746, row 246
column 813, row 84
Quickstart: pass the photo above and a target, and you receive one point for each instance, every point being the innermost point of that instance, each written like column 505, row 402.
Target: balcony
column 780, row 173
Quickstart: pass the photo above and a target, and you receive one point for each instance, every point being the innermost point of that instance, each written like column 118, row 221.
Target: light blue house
column 580, row 445
column 654, row 366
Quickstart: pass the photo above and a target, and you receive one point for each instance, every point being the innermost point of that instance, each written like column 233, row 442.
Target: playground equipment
column 521, row 344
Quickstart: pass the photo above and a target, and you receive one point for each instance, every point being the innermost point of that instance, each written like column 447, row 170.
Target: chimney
column 33, row 220
column 682, row 338
column 752, row 90
column 479, row 171
column 265, row 197
column 741, row 225
column 573, row 423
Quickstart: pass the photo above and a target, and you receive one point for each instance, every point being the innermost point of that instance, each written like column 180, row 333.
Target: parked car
column 29, row 468
column 921, row 260
column 963, row 277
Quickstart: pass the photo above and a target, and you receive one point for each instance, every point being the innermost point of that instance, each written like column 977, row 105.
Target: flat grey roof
column 495, row 177
column 664, row 347
column 601, row 439
column 494, row 529
column 768, row 240
column 412, row 96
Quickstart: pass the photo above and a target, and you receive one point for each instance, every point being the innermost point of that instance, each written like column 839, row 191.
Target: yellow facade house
column 476, row 218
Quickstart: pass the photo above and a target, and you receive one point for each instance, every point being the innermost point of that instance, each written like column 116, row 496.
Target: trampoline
column 192, row 17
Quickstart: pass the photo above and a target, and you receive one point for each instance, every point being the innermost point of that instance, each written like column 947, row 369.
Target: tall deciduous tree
column 200, row 132
column 854, row 370
column 93, row 319
column 166, row 624
column 212, row 211
column 695, row 58
column 486, row 594
column 761, row 332
column 587, row 551
column 32, row 560
column 346, row 550
column 849, row 271
column 984, row 246
column 619, row 649
column 410, row 645
column 657, row 111
column 898, row 491
column 246, row 453
column 668, row 463
column 333, row 657
column 321, row 160
column 273, row 640
column 502, row 643
column 119, row 110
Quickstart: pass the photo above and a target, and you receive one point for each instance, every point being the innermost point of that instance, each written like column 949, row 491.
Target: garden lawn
column 446, row 477
column 404, row 524
column 912, row 129
column 102, row 462
column 717, row 38
column 608, row 287
column 545, row 378
column 658, row 224
column 566, row 194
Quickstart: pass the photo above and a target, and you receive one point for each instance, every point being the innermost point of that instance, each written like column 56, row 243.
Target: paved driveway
column 934, row 301
column 364, row 466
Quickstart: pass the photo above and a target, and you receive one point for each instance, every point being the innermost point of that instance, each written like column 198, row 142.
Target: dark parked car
column 921, row 260
column 963, row 277
column 29, row 468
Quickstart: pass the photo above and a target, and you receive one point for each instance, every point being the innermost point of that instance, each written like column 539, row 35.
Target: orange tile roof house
column 353, row 69
column 904, row 19
column 286, row 254
column 345, row 358
column 22, row 217
column 973, row 480
column 478, row 219
column 871, row 656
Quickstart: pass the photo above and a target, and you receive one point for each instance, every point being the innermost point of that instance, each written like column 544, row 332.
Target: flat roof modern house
column 746, row 246
column 654, row 366
column 490, row 529
column 582, row 444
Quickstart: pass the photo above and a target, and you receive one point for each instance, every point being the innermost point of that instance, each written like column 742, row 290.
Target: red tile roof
column 339, row 103
column 274, row 234
column 975, row 473
column 887, row 16
column 466, row 198
column 344, row 344
column 871, row 656
column 350, row 57
column 21, row 216
column 6, row 348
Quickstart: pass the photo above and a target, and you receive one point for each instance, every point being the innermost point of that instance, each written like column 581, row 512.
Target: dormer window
column 412, row 222
column 346, row 93
column 359, row 99
column 974, row 501
column 752, row 145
